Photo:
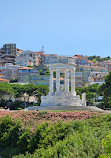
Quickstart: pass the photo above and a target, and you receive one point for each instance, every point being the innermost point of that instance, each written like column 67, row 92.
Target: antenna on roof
column 42, row 48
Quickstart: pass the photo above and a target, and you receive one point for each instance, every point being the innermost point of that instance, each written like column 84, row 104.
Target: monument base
column 62, row 99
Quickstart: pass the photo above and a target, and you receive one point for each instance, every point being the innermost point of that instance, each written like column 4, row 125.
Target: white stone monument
column 62, row 97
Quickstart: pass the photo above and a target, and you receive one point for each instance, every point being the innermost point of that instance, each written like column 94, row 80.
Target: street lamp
column 33, row 98
column 25, row 95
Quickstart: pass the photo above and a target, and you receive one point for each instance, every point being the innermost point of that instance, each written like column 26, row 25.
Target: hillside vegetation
column 84, row 137
column 98, row 58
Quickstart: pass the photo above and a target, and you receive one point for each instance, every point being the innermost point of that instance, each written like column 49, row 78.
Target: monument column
column 51, row 81
column 73, row 82
column 57, row 79
column 67, row 80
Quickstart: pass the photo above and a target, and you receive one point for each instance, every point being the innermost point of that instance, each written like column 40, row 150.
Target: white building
column 97, row 78
column 27, row 58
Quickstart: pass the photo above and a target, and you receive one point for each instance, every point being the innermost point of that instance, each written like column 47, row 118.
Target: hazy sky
column 64, row 27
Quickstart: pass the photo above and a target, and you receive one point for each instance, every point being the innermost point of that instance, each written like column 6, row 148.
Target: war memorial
column 62, row 96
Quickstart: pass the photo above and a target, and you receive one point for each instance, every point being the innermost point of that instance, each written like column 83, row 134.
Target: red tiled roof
column 61, row 78
column 107, row 61
column 51, row 55
column 25, row 68
column 1, row 79
column 1, row 76
column 90, row 61
column 79, row 56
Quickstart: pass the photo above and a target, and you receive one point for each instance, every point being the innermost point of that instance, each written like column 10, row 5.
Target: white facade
column 27, row 58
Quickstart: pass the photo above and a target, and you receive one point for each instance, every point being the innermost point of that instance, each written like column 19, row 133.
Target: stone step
column 68, row 108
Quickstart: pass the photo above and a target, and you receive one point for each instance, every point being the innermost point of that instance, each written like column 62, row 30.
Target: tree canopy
column 5, row 88
column 92, row 92
column 18, row 90
column 98, row 58
column 106, row 91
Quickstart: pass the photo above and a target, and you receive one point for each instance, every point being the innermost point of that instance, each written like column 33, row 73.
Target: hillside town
column 25, row 66
column 55, row 79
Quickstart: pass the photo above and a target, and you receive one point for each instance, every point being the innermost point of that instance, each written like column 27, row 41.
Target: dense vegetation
column 92, row 93
column 98, row 58
column 105, row 90
column 30, row 119
column 18, row 91
column 81, row 139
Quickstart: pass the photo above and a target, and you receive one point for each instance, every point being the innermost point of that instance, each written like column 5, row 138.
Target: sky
column 63, row 27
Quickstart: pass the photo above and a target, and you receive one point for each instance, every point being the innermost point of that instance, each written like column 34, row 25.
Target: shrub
column 81, row 139
column 3, row 103
column 9, row 132
column 24, row 140
column 5, row 124
column 106, row 147
column 35, row 104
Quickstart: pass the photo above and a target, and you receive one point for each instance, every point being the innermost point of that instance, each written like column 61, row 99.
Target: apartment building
column 41, row 57
column 10, row 48
column 86, row 70
column 2, row 52
column 50, row 58
column 18, row 51
column 7, row 58
column 7, row 54
column 97, row 78
column 78, row 79
column 36, row 79
column 106, row 64
column 9, row 71
column 80, row 60
column 29, row 58
column 26, row 71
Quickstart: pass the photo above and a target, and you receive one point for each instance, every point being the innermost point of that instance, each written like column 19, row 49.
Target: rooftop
column 79, row 56
column 1, row 79
column 91, row 66
column 23, row 68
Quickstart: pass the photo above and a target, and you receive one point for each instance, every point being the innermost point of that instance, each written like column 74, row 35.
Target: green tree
column 14, row 80
column 54, row 74
column 106, row 91
column 92, row 93
column 40, row 91
column 41, row 72
column 5, row 88
column 18, row 90
column 30, row 89
column 47, row 72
